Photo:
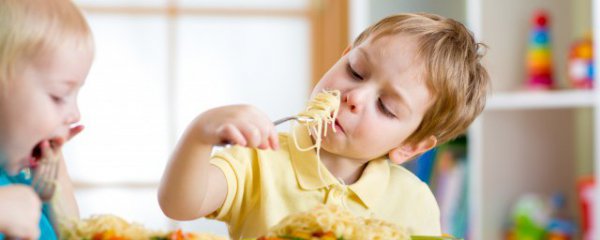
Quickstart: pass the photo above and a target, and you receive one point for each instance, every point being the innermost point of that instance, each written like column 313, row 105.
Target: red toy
column 581, row 64
column 587, row 188
column 539, row 57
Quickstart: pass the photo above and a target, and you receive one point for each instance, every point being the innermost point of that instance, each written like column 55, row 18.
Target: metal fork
column 44, row 178
column 44, row 183
column 280, row 121
column 297, row 118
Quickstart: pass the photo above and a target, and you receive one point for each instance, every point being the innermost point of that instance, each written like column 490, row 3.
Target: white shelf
column 516, row 146
column 541, row 100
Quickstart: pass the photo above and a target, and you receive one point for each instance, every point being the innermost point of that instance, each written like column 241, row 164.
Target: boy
column 46, row 51
column 407, row 83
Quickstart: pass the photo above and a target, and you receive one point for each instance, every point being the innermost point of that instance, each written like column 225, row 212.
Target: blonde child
column 46, row 52
column 407, row 83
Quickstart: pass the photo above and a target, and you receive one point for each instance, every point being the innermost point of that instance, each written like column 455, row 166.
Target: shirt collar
column 373, row 182
column 306, row 168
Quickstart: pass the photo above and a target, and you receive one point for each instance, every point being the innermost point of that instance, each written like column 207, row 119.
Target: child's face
column 40, row 103
column 384, row 97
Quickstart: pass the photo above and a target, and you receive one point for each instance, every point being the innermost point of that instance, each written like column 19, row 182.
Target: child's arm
column 191, row 187
column 21, row 209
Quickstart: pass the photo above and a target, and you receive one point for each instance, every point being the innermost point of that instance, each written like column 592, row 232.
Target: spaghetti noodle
column 340, row 222
column 110, row 227
column 323, row 110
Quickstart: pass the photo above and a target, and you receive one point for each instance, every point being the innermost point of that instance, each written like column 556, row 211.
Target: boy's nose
column 354, row 99
column 73, row 117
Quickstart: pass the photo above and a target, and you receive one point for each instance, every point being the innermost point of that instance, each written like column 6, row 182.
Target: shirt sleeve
column 235, row 163
column 429, row 221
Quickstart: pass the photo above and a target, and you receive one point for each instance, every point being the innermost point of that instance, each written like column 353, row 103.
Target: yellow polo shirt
column 264, row 186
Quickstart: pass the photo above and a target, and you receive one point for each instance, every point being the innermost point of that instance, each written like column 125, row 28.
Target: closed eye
column 381, row 106
column 58, row 100
column 353, row 73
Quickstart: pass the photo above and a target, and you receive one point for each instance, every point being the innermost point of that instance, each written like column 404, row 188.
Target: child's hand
column 21, row 211
column 52, row 149
column 191, row 186
column 239, row 124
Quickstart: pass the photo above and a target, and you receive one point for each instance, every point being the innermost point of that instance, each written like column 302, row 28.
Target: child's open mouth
column 36, row 152
column 36, row 155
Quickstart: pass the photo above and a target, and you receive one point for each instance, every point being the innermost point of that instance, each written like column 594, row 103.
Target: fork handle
column 282, row 120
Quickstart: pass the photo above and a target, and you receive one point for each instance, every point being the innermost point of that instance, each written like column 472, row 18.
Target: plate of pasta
column 333, row 222
column 111, row 227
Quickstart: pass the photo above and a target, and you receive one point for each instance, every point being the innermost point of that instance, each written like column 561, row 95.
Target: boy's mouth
column 36, row 152
column 36, row 155
column 336, row 124
column 338, row 127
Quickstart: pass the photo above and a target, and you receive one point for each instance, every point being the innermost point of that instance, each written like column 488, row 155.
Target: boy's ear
column 406, row 152
column 348, row 48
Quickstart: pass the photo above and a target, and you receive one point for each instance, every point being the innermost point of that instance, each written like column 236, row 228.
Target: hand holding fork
column 46, row 172
column 47, row 169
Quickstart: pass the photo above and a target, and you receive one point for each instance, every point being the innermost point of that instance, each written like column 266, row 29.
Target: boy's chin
column 333, row 142
column 331, row 148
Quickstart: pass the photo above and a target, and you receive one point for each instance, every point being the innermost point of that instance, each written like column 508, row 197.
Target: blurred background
column 524, row 170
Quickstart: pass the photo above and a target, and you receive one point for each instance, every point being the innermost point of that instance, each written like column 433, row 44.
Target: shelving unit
column 541, row 100
column 528, row 142
column 524, row 142
column 596, row 144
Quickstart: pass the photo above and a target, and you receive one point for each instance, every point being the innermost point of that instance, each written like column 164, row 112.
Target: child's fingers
column 252, row 134
column 274, row 140
column 267, row 137
column 46, row 149
column 51, row 149
column 265, row 133
column 230, row 134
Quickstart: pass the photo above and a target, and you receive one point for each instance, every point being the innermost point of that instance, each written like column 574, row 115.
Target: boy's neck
column 346, row 169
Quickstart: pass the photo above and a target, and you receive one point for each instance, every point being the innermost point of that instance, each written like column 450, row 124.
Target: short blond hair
column 32, row 27
column 454, row 74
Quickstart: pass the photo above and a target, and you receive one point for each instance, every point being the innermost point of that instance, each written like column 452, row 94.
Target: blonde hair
column 454, row 73
column 32, row 27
